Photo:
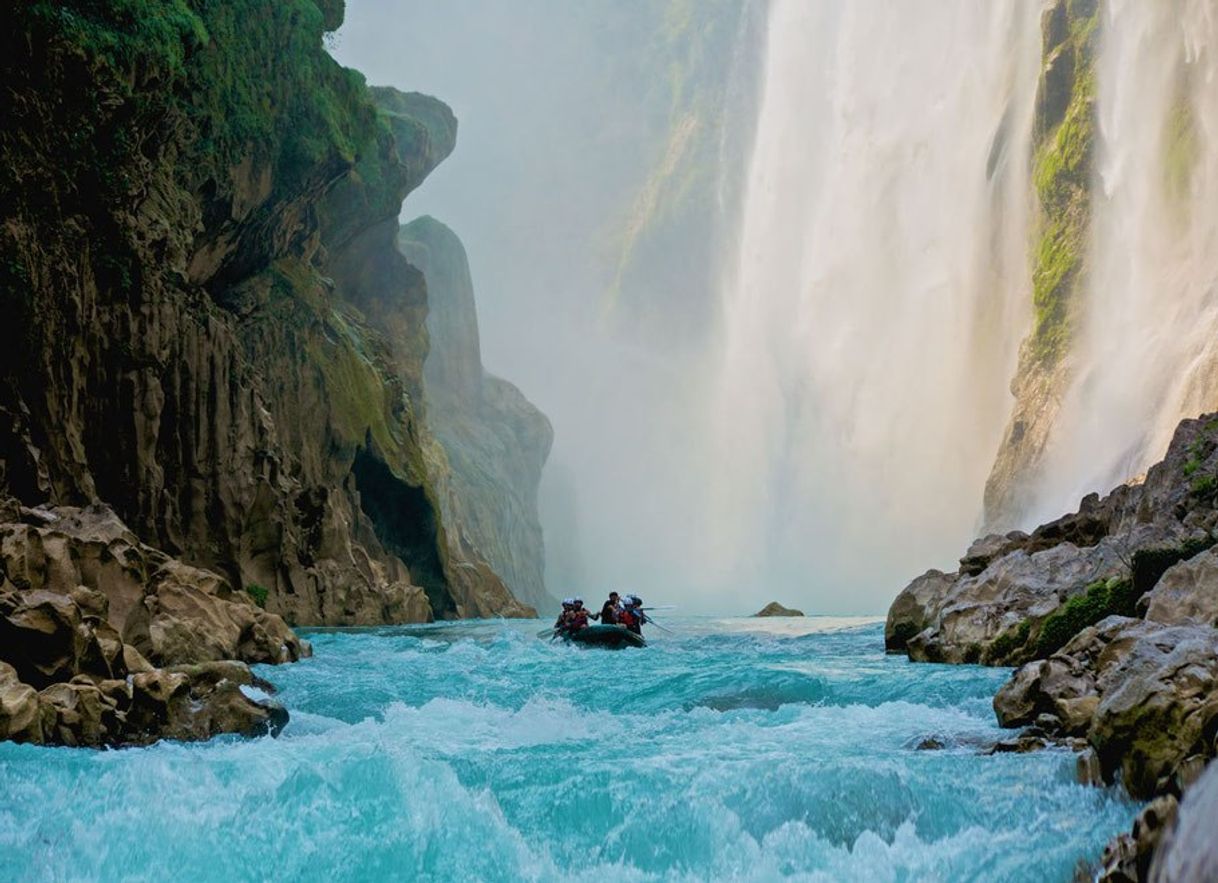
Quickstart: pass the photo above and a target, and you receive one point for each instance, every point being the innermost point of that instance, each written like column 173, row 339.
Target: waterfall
column 874, row 311
column 1146, row 352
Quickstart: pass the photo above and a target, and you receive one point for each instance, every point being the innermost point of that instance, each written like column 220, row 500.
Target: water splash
column 880, row 291
column 479, row 752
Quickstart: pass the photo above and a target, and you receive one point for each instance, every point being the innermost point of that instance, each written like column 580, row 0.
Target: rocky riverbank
column 1110, row 614
column 107, row 641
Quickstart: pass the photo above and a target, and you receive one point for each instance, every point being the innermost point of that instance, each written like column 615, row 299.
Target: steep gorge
column 211, row 329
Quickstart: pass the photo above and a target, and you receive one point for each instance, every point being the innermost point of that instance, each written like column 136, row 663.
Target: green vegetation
column 1204, row 486
column 1003, row 648
column 1148, row 565
column 1181, row 148
column 1061, row 173
column 1101, row 599
column 250, row 76
column 258, row 593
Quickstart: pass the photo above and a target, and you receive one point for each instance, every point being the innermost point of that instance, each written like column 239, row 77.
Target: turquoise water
column 755, row 750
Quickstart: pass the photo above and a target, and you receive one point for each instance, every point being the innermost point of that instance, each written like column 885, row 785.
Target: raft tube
column 611, row 637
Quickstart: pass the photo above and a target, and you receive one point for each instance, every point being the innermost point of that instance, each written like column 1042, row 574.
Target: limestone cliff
column 1064, row 136
column 209, row 327
column 494, row 440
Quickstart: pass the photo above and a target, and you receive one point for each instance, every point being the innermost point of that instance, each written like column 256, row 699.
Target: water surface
column 744, row 749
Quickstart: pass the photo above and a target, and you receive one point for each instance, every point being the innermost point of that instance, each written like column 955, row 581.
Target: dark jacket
column 609, row 613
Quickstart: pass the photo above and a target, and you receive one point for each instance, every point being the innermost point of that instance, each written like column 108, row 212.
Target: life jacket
column 579, row 619
column 609, row 613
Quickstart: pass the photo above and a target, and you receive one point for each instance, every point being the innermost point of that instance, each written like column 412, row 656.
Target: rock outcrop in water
column 776, row 609
column 1113, row 613
column 211, row 329
column 107, row 641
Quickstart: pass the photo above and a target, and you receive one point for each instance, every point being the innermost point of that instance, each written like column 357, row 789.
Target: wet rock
column 1127, row 858
column 930, row 743
column 20, row 711
column 79, row 714
column 1024, row 743
column 1158, row 705
column 776, row 609
column 1188, row 853
column 1145, row 695
column 191, row 707
column 1087, row 768
column 913, row 610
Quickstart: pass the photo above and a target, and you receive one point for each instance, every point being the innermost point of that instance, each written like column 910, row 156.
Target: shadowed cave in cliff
column 405, row 522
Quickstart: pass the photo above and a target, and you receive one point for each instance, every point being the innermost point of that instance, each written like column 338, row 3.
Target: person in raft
column 632, row 615
column 579, row 616
column 564, row 618
column 609, row 611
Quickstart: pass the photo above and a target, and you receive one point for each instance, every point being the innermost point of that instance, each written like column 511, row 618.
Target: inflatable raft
column 611, row 637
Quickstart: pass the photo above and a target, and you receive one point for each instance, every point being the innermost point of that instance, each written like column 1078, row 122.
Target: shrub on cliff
column 1101, row 599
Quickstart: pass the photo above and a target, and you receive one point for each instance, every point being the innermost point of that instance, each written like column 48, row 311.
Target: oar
column 661, row 607
column 657, row 625
column 547, row 633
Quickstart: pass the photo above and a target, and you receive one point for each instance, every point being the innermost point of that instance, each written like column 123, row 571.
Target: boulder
column 1145, row 695
column 196, row 705
column 80, row 714
column 1127, row 858
column 20, row 712
column 1189, row 852
column 1187, row 594
column 776, row 609
column 45, row 638
column 87, row 612
column 193, row 615
column 1158, row 706
column 913, row 610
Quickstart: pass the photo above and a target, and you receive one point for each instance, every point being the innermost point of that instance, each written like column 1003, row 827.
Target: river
column 748, row 749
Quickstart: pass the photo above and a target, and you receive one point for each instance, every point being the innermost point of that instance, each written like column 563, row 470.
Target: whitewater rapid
column 734, row 749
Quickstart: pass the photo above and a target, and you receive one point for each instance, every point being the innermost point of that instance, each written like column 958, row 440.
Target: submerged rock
column 776, row 609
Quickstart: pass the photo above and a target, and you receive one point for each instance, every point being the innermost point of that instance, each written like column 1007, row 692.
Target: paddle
column 657, row 625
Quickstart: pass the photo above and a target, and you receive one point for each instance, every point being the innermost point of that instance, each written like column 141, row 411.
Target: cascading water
column 879, row 293
column 1147, row 349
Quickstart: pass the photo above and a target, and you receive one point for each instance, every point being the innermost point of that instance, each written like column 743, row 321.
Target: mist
column 573, row 136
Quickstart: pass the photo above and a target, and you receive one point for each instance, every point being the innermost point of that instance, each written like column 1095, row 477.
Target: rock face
column 1022, row 596
column 776, row 609
column 1189, row 854
column 87, row 611
column 210, row 329
column 1063, row 142
column 1112, row 611
column 494, row 440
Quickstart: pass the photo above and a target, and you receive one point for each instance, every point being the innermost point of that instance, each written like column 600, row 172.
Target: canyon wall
column 494, row 440
column 210, row 328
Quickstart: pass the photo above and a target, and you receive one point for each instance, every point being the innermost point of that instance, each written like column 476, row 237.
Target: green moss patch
column 1101, row 599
